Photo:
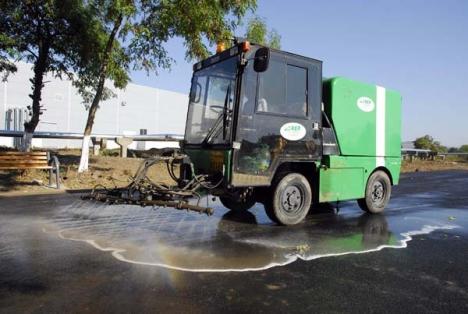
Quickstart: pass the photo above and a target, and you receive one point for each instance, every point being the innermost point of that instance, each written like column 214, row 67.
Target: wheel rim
column 378, row 192
column 292, row 199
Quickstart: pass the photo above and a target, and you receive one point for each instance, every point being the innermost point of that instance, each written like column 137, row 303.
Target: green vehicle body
column 364, row 123
column 344, row 176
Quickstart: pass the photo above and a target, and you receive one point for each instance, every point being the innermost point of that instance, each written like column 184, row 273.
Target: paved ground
column 58, row 253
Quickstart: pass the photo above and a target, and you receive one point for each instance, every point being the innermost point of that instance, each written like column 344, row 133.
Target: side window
column 296, row 90
column 249, row 88
column 282, row 90
column 272, row 88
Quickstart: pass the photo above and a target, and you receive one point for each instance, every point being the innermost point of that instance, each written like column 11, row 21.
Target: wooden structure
column 31, row 160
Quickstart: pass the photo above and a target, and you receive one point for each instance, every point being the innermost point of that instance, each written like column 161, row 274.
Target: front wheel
column 290, row 200
column 378, row 192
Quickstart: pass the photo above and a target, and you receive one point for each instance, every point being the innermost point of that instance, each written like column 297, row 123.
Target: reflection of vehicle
column 262, row 126
column 374, row 230
column 328, row 234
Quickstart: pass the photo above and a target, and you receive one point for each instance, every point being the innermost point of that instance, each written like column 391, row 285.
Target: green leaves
column 77, row 33
column 27, row 26
column 463, row 148
column 428, row 142
column 198, row 22
column 146, row 27
column 257, row 32
column 97, row 40
column 6, row 67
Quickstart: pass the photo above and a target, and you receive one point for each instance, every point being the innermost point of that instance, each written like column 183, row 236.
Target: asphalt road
column 61, row 254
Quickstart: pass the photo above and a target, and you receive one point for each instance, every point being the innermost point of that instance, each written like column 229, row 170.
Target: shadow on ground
column 11, row 180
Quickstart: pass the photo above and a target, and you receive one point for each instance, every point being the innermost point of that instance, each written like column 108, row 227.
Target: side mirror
column 262, row 58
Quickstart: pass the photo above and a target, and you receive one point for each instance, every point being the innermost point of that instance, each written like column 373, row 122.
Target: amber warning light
column 220, row 47
column 245, row 46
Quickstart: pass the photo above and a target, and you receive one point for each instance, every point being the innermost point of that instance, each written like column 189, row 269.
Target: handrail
column 79, row 136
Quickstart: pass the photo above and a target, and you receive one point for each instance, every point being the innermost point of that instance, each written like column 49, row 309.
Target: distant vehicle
column 264, row 126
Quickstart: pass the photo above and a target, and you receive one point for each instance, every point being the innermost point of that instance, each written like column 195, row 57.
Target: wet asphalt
column 61, row 254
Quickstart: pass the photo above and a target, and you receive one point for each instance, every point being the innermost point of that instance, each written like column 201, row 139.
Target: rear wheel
column 378, row 192
column 238, row 204
column 290, row 200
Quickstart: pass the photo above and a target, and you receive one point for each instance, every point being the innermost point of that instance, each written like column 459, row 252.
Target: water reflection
column 230, row 241
column 323, row 233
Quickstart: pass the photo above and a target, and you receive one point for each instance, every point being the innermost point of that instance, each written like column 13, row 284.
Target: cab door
column 279, row 118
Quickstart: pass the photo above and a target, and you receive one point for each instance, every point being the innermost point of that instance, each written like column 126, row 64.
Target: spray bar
column 110, row 199
column 144, row 192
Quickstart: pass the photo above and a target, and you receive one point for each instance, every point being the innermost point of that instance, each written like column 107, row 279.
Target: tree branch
column 31, row 52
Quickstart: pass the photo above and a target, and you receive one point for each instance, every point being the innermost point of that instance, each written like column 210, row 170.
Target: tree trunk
column 97, row 98
column 89, row 126
column 40, row 68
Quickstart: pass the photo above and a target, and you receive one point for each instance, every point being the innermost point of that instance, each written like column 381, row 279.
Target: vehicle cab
column 245, row 103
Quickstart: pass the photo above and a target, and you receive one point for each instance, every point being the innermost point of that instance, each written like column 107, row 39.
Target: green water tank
column 366, row 118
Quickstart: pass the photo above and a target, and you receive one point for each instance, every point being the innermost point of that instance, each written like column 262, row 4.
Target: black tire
column 238, row 205
column 377, row 195
column 290, row 200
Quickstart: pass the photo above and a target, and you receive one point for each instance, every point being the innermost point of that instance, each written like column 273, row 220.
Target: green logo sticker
column 293, row 131
column 365, row 104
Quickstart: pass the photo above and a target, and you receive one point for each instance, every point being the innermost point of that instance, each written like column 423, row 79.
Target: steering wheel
column 215, row 108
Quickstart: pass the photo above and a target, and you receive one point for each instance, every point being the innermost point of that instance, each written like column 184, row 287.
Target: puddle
column 229, row 241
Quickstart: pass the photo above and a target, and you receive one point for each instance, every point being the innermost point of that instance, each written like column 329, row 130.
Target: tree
column 136, row 32
column 6, row 44
column 428, row 142
column 6, row 67
column 463, row 148
column 48, row 33
column 257, row 32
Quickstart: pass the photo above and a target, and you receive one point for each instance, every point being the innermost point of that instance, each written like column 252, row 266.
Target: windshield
column 211, row 100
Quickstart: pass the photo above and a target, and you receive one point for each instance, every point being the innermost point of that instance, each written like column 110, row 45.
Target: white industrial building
column 135, row 108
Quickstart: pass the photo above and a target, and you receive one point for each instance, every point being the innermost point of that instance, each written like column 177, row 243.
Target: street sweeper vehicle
column 263, row 125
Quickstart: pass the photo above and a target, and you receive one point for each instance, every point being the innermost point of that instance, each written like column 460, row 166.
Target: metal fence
column 99, row 141
column 427, row 154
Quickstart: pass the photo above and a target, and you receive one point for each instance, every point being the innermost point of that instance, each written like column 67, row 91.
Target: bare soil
column 434, row 165
column 108, row 171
